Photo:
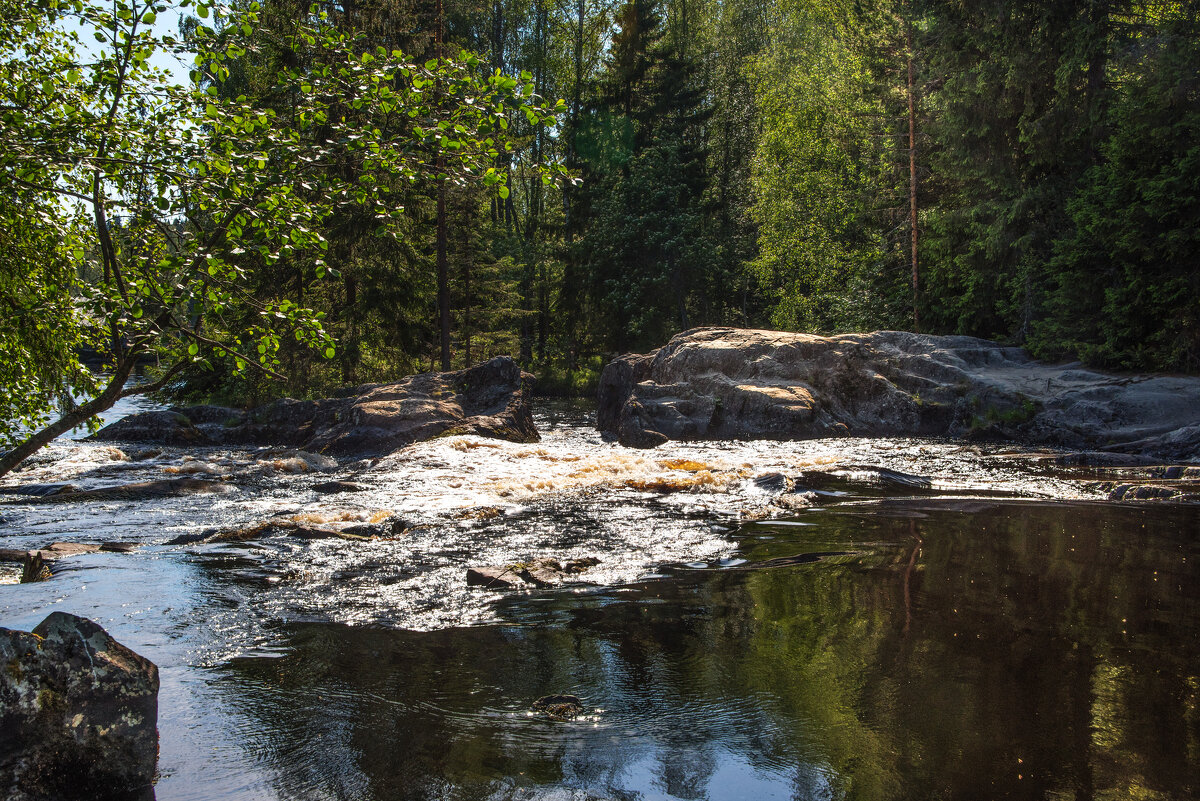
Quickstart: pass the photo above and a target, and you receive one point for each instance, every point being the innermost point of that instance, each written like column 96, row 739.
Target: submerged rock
column 265, row 530
column 78, row 713
column 559, row 707
column 490, row 399
column 34, row 561
column 536, row 573
column 725, row 383
column 163, row 488
column 335, row 487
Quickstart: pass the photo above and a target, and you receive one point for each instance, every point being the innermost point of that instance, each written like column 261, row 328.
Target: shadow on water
column 921, row 648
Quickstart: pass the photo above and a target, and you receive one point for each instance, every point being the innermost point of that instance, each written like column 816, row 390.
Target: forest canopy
column 352, row 191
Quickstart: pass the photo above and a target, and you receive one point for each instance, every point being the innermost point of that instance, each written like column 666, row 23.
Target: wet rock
column 1144, row 492
column 334, row 487
column 493, row 577
column 58, row 550
column 79, row 713
column 392, row 527
column 266, row 530
column 1101, row 459
column 536, row 573
column 480, row 513
column 773, row 483
column 559, row 707
column 490, row 399
column 39, row 490
column 165, row 488
column 724, row 383
column 169, row 427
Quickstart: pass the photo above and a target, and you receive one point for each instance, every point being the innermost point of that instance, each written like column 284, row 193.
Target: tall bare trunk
column 912, row 173
column 443, row 268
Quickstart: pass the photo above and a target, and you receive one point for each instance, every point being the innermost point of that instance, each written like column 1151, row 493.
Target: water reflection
column 1009, row 649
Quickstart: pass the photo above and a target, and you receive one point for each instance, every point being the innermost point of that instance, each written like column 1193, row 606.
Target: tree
column 164, row 197
column 645, row 156
column 826, row 172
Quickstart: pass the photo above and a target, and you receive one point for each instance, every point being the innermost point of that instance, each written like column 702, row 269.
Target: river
column 1002, row 632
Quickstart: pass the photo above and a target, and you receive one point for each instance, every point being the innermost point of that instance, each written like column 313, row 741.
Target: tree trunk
column 912, row 173
column 72, row 419
column 443, row 268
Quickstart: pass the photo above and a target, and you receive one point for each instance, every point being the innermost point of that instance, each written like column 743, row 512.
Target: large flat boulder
column 78, row 713
column 490, row 399
column 725, row 383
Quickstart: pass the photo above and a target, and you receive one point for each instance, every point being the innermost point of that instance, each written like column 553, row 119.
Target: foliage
column 824, row 168
column 167, row 197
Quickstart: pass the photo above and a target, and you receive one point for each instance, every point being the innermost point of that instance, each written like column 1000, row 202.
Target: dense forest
column 1023, row 171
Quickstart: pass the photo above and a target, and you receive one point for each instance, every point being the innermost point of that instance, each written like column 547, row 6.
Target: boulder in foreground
column 491, row 399
column 78, row 713
column 726, row 383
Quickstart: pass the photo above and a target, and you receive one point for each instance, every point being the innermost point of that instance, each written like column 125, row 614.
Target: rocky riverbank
column 725, row 383
column 490, row 399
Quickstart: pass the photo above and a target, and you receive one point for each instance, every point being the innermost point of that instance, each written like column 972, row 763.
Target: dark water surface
column 999, row 635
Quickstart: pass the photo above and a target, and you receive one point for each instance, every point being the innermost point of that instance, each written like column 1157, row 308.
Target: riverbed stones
column 535, row 573
column 726, row 383
column 78, row 713
column 490, row 399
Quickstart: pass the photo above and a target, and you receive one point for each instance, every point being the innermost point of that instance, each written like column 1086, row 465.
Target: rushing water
column 1001, row 633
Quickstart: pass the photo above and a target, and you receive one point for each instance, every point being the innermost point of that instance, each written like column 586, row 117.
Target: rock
column 490, row 399
column 725, row 383
column 333, row 487
column 559, row 707
column 1146, row 492
column 164, row 488
column 78, row 713
column 265, row 530
column 170, row 427
column 774, row 483
column 536, row 573
column 58, row 549
column 39, row 490
column 496, row 577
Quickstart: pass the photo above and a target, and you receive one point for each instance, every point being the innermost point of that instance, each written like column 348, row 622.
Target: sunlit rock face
column 725, row 383
column 78, row 713
column 490, row 399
